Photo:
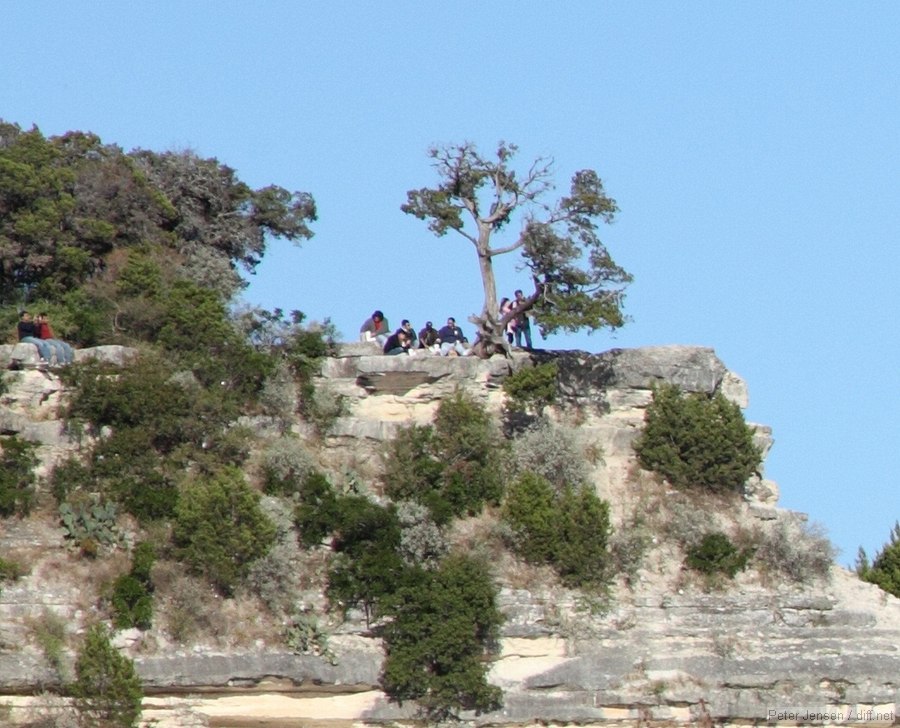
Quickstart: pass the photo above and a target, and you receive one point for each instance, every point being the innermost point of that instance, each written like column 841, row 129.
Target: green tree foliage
column 132, row 598
column 454, row 466
column 568, row 529
column 575, row 283
column 885, row 568
column 71, row 205
column 107, row 690
column 531, row 389
column 159, row 422
column 368, row 566
column 17, row 460
column 221, row 223
column 443, row 626
column 716, row 554
column 220, row 530
column 318, row 513
column 695, row 441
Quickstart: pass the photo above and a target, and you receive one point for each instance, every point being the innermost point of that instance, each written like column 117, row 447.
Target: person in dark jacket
column 410, row 332
column 428, row 337
column 397, row 343
column 452, row 339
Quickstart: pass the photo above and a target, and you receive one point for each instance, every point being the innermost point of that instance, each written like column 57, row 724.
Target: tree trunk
column 490, row 330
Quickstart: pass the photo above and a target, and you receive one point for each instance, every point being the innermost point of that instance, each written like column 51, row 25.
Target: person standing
column 506, row 306
column 523, row 324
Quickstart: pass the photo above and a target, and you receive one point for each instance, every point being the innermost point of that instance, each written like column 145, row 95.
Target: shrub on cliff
column 796, row 550
column 220, row 528
column 107, row 690
column 716, row 554
column 368, row 565
column 885, row 568
column 132, row 597
column 529, row 391
column 443, row 626
column 17, row 460
column 567, row 529
column 454, row 466
column 553, row 452
column 695, row 441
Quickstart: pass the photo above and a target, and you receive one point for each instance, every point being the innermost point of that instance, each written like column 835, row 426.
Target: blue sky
column 753, row 148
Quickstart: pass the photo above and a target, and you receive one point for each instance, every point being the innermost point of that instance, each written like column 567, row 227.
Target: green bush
column 107, row 691
column 17, row 461
column 125, row 466
column 132, row 597
column 885, row 568
column 567, row 529
column 531, row 511
column 444, row 624
column 716, row 554
column 318, row 513
column 368, row 566
column 695, row 441
column 582, row 558
column 145, row 397
column 159, row 423
column 532, row 389
column 220, row 529
column 69, row 476
column 10, row 570
column 454, row 466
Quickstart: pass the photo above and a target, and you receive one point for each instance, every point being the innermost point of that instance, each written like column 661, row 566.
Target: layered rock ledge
column 661, row 650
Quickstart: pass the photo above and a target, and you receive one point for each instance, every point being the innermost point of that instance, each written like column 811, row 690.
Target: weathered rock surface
column 663, row 650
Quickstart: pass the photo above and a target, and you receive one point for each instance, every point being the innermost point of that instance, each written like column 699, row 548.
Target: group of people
column 446, row 341
column 37, row 331
column 449, row 339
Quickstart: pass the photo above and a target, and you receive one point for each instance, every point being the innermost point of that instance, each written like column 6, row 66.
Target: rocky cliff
column 661, row 647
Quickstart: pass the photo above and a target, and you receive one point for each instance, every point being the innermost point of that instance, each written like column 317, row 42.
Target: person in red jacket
column 64, row 353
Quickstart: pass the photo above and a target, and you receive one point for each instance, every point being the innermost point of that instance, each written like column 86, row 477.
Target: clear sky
column 753, row 148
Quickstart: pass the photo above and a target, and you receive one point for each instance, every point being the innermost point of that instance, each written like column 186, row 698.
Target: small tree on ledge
column 575, row 284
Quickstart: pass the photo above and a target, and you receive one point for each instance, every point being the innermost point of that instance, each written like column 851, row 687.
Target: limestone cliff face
column 662, row 648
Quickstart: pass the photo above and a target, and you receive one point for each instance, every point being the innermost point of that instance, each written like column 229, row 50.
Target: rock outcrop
column 661, row 649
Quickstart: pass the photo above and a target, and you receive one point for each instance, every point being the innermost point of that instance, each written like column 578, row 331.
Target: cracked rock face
column 662, row 648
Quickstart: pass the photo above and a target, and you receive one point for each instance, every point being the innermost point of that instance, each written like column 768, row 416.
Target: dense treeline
column 90, row 231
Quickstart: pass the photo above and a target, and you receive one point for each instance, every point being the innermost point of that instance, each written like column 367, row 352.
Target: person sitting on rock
column 428, row 337
column 452, row 339
column 28, row 334
column 410, row 332
column 375, row 328
column 64, row 352
column 397, row 343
